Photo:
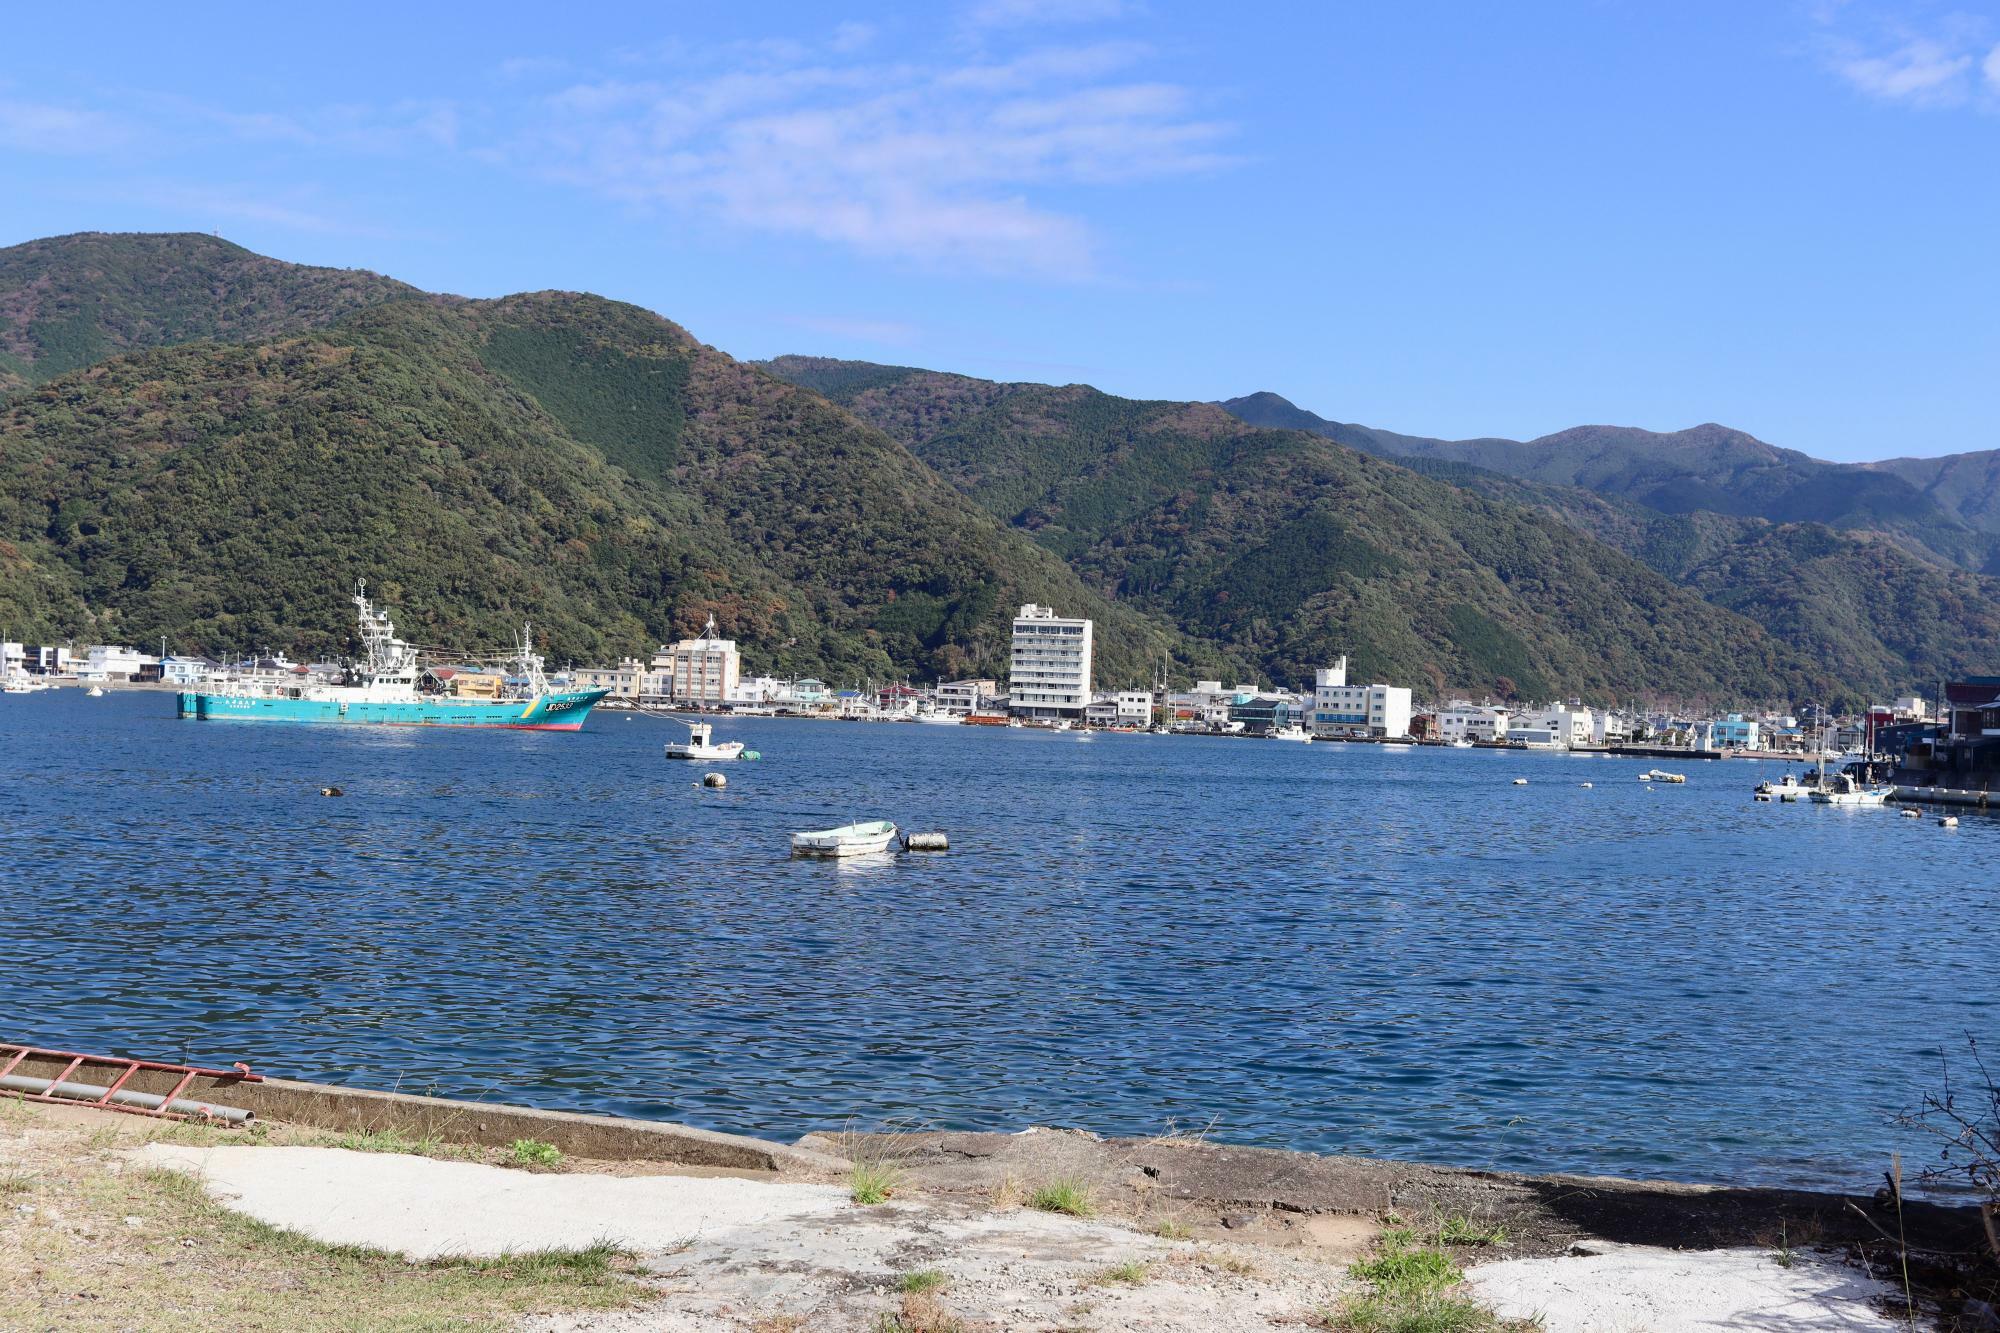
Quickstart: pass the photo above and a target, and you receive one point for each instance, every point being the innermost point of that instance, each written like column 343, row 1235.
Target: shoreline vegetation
column 1399, row 1239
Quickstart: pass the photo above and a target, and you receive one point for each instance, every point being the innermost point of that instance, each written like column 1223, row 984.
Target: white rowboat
column 847, row 840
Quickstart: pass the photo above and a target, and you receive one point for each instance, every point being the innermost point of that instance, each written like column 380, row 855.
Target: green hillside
column 1298, row 550
column 70, row 301
column 555, row 457
column 1875, row 612
column 1706, row 469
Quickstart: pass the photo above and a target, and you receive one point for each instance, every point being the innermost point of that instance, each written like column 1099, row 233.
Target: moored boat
column 390, row 688
column 1786, row 788
column 1291, row 734
column 701, row 744
column 1840, row 789
column 848, row 840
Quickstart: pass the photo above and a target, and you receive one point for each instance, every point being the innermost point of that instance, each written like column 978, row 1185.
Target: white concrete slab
column 1640, row 1289
column 429, row 1209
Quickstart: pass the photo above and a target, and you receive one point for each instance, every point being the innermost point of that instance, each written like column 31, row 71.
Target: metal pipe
column 145, row 1101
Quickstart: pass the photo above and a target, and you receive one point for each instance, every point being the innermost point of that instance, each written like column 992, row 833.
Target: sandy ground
column 1642, row 1289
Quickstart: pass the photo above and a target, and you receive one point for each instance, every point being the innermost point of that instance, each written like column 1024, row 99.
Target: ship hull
column 563, row 710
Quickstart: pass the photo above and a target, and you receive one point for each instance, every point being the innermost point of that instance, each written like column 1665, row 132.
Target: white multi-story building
column 1567, row 725
column 1049, row 672
column 1372, row 710
column 704, row 670
column 13, row 658
column 1473, row 722
column 111, row 662
column 965, row 696
column 1135, row 708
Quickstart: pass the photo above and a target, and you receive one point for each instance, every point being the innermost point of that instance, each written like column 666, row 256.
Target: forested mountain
column 204, row 443
column 70, row 301
column 1967, row 486
column 1300, row 550
column 557, row 457
column 1706, row 469
column 1888, row 611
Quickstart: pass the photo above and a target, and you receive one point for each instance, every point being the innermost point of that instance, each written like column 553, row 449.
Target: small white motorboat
column 701, row 744
column 1291, row 734
column 94, row 692
column 1520, row 782
column 1461, row 744
column 847, row 840
column 938, row 719
column 1786, row 788
column 1840, row 789
column 1661, row 775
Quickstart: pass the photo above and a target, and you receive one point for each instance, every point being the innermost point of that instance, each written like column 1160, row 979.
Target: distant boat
column 1840, row 789
column 939, row 719
column 22, row 684
column 847, row 840
column 94, row 692
column 391, row 688
column 1786, row 788
column 1461, row 744
column 701, row 744
column 1293, row 733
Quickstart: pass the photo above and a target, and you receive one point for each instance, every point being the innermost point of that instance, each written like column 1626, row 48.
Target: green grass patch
column 1415, row 1288
column 1130, row 1273
column 382, row 1140
column 924, row 1279
column 533, row 1152
column 1409, row 1268
column 1066, row 1194
column 872, row 1182
column 1463, row 1229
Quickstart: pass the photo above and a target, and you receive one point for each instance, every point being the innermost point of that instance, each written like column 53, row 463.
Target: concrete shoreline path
column 729, row 1251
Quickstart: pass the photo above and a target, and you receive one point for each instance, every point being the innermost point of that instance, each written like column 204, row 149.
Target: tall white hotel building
column 1050, row 672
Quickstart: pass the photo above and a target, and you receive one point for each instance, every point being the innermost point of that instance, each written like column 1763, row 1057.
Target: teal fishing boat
column 390, row 688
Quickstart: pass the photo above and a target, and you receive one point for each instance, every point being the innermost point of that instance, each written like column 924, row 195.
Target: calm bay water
column 1338, row 948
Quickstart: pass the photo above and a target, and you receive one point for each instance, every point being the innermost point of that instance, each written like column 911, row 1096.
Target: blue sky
column 1448, row 219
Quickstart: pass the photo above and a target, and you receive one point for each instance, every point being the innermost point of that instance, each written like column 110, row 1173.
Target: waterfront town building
column 1473, row 722
column 1340, row 709
column 1135, row 708
column 965, row 696
column 185, row 670
column 627, row 680
column 703, row 670
column 111, row 662
column 1049, row 669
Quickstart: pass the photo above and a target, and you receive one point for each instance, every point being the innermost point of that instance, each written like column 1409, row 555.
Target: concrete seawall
column 350, row 1110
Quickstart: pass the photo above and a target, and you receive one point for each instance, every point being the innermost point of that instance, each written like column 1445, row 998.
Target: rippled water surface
column 1342, row 948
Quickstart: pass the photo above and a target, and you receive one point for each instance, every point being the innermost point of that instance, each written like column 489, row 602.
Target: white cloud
column 1040, row 13
column 952, row 164
column 1922, row 71
column 39, row 127
column 1948, row 60
column 203, row 206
